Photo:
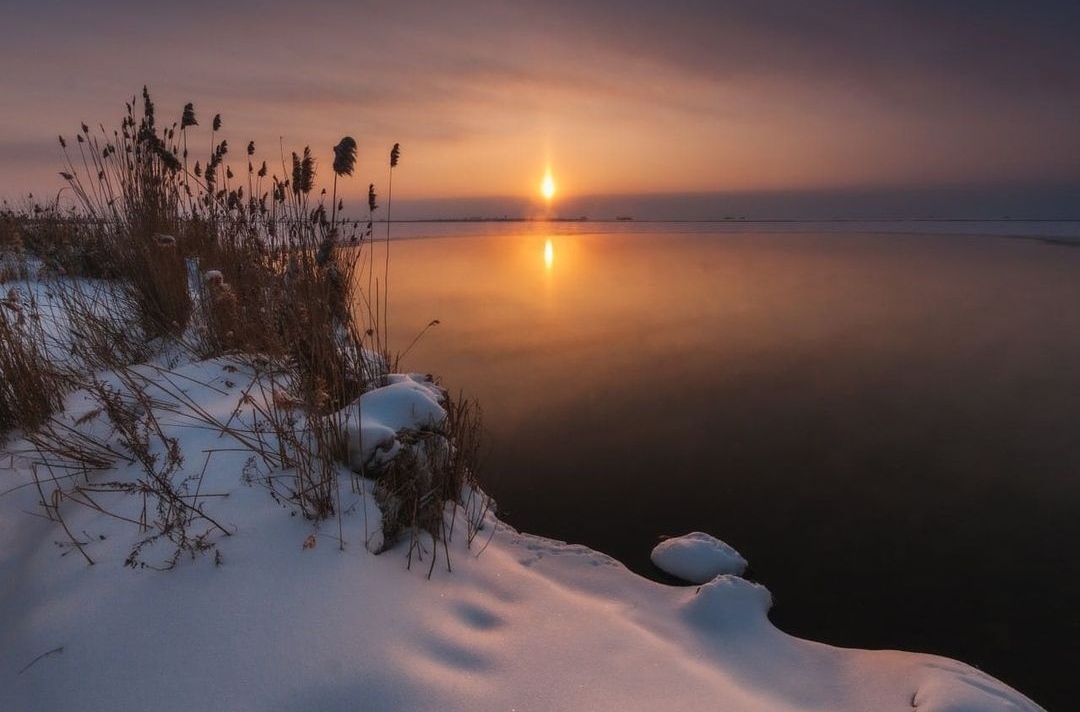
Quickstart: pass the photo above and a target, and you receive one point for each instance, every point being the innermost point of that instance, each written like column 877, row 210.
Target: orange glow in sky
column 658, row 107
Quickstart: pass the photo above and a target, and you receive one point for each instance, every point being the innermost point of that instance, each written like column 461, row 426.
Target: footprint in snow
column 478, row 617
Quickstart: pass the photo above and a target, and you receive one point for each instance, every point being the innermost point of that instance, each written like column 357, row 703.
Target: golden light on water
column 549, row 254
column 547, row 186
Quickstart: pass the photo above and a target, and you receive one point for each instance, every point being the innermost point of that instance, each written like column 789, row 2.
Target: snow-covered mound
column 409, row 401
column 697, row 557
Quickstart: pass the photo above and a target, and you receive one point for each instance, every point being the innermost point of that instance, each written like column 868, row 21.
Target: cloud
column 773, row 92
column 993, row 45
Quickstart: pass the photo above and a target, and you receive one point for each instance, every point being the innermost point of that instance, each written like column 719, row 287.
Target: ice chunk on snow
column 697, row 558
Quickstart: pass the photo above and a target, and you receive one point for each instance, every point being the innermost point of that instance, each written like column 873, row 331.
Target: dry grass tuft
column 31, row 385
column 434, row 471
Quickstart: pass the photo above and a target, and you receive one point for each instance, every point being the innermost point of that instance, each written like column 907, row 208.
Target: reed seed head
column 148, row 106
column 395, row 154
column 303, row 172
column 345, row 156
column 188, row 119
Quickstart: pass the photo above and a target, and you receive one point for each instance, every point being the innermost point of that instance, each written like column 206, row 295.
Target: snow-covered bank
column 286, row 614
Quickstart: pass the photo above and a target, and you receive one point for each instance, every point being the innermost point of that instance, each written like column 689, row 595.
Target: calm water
column 884, row 423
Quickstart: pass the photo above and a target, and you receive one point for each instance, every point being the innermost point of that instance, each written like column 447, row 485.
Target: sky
column 847, row 108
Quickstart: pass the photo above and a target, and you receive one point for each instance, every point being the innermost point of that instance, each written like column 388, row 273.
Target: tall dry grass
column 32, row 386
column 255, row 266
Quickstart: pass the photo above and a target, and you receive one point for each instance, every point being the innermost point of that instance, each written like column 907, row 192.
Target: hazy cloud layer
column 621, row 96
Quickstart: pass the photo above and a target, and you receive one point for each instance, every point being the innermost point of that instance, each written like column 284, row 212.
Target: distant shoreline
column 724, row 220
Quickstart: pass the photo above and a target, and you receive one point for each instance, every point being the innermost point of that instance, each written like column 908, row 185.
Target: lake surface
column 882, row 418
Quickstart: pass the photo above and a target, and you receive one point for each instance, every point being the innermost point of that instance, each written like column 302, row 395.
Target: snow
column 408, row 401
column 697, row 557
column 292, row 617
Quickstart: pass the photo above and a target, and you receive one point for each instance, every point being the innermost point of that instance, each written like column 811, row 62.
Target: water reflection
column 890, row 403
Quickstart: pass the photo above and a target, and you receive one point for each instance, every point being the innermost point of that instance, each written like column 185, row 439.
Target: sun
column 547, row 186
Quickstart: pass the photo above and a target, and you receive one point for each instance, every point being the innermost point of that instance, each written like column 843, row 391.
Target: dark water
column 885, row 425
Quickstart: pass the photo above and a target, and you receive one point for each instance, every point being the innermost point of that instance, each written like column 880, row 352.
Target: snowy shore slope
column 281, row 615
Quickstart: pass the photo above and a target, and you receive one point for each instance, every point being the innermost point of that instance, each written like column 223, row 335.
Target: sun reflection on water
column 549, row 253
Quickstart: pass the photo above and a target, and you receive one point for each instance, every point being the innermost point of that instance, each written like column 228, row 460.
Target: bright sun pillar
column 547, row 186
